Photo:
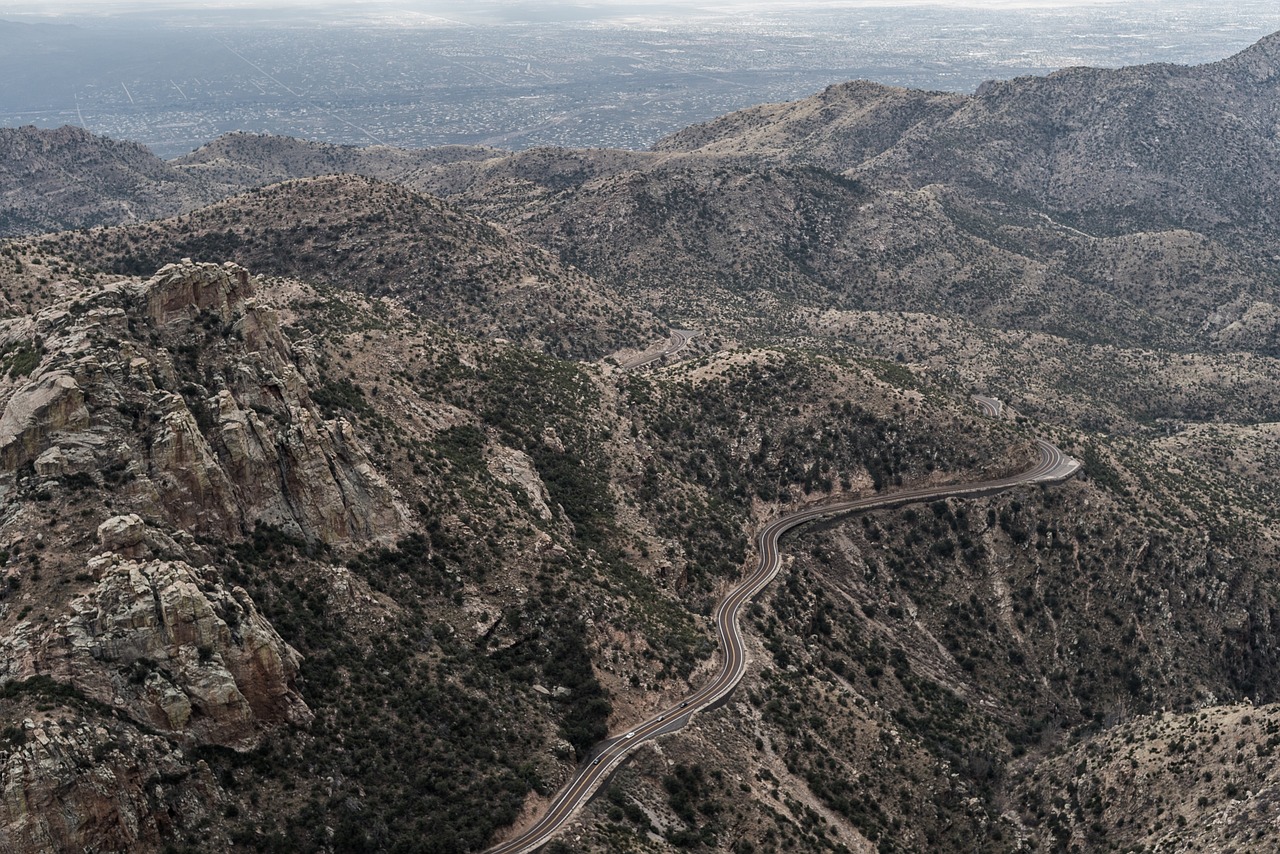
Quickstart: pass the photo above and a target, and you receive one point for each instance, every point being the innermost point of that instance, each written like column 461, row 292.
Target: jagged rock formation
column 177, row 650
column 181, row 404
column 247, row 446
column 169, row 646
column 49, row 404
column 96, row 785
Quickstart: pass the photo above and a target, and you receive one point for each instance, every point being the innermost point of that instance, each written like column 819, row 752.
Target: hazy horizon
column 538, row 9
column 515, row 73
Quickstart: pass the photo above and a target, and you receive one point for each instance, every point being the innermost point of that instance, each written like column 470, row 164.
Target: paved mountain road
column 989, row 405
column 1053, row 466
column 679, row 339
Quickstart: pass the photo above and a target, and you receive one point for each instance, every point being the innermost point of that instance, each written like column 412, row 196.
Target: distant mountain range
column 1037, row 202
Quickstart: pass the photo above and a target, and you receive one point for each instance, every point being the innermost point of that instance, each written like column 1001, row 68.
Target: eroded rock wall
column 175, row 417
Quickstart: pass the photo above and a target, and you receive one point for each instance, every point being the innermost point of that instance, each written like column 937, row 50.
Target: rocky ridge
column 384, row 240
column 149, row 639
column 1024, row 212
column 70, row 178
column 197, row 453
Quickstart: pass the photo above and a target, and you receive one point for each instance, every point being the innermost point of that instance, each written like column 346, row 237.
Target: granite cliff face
column 96, row 786
column 172, row 646
column 176, row 409
column 182, row 394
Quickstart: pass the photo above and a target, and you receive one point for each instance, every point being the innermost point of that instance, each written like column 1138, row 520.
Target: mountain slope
column 1108, row 151
column 1037, row 203
column 290, row 566
column 384, row 240
column 732, row 238
column 260, row 533
column 69, row 178
column 847, row 123
column 467, row 562
column 238, row 161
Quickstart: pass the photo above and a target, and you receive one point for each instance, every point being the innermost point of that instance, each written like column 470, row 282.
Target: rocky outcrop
column 186, row 383
column 162, row 415
column 49, row 404
column 514, row 467
column 122, row 534
column 171, row 647
column 182, row 291
column 73, row 785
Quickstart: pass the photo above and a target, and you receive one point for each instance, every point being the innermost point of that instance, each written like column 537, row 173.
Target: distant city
column 175, row 81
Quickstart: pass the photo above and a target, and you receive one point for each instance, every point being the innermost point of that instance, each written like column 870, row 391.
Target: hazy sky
column 29, row 7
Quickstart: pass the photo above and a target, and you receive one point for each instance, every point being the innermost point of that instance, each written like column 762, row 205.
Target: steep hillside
column 1150, row 147
column 1107, row 151
column 841, row 126
column 69, row 178
column 1021, row 188
column 949, row 649
column 223, row 541
column 226, row 518
column 384, row 240
column 1201, row 780
column 731, row 238
column 238, row 161
column 515, row 554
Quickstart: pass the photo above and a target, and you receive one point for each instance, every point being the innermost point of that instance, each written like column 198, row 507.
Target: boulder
column 122, row 533
column 52, row 463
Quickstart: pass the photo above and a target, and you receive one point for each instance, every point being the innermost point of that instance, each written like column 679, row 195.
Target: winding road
column 678, row 341
column 1053, row 466
column 989, row 405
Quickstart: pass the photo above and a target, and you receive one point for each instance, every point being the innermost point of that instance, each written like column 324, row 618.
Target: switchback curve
column 1052, row 466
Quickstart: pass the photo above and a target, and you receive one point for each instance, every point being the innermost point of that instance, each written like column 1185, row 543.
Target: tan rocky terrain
column 326, row 525
column 512, row 552
column 207, row 531
column 734, row 240
column 132, row 624
column 181, row 630
column 915, row 669
column 1202, row 780
column 381, row 239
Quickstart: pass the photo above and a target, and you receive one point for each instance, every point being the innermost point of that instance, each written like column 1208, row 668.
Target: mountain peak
column 1260, row 60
